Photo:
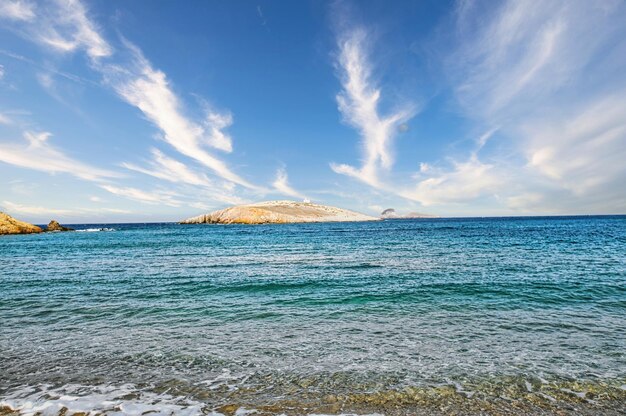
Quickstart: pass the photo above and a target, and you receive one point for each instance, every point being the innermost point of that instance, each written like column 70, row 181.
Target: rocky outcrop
column 275, row 212
column 9, row 225
column 391, row 213
column 55, row 226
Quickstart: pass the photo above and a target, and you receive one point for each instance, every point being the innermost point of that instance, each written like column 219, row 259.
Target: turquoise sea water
column 492, row 315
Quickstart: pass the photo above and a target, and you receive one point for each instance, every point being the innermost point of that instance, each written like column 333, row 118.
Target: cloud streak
column 16, row 10
column 154, row 197
column 547, row 74
column 171, row 170
column 148, row 89
column 281, row 184
column 62, row 25
column 36, row 152
column 45, row 212
column 358, row 103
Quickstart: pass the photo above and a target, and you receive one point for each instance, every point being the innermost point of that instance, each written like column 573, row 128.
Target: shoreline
column 564, row 398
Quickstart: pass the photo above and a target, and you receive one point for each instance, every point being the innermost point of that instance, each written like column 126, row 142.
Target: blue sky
column 148, row 111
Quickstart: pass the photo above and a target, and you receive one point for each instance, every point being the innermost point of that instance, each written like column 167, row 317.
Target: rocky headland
column 277, row 212
column 9, row 225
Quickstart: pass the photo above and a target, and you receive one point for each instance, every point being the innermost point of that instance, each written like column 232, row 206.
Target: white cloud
column 214, row 125
column 1, row 72
column 155, row 197
column 171, row 170
column 69, row 29
column 34, row 210
column 358, row 102
column 550, row 75
column 281, row 184
column 464, row 182
column 45, row 80
column 17, row 10
column 35, row 152
column 46, row 212
column 4, row 119
column 584, row 151
column 62, row 25
column 148, row 89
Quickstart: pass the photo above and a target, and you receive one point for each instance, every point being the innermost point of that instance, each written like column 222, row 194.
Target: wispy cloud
column 154, row 197
column 47, row 212
column 358, row 103
column 148, row 89
column 547, row 74
column 466, row 181
column 583, row 151
column 261, row 16
column 459, row 181
column 61, row 25
column 16, row 10
column 36, row 152
column 545, row 79
column 69, row 28
column 66, row 27
column 281, row 184
column 171, row 170
column 15, row 208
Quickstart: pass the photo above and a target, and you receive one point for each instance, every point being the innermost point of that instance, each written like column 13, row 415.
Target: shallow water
column 467, row 315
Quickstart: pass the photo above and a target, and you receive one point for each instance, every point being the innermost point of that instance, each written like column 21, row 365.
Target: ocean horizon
column 506, row 315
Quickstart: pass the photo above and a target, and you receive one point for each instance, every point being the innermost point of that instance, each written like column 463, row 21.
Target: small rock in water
column 55, row 226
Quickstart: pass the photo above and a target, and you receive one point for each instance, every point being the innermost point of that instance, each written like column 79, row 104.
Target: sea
column 463, row 316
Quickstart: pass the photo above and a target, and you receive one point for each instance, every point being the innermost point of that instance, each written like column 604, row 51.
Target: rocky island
column 391, row 214
column 276, row 212
column 55, row 226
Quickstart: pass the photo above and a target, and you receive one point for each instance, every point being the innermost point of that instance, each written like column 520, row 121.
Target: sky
column 141, row 111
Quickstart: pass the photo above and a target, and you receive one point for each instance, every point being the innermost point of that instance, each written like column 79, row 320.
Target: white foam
column 112, row 401
column 105, row 400
column 94, row 230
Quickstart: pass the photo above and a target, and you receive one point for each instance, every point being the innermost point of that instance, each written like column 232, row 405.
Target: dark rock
column 55, row 226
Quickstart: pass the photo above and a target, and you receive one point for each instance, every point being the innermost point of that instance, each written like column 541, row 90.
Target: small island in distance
column 279, row 212
column 391, row 214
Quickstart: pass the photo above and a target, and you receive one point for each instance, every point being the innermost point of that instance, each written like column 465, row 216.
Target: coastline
column 510, row 396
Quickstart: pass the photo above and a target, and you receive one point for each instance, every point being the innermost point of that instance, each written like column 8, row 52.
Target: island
column 56, row 227
column 391, row 214
column 279, row 212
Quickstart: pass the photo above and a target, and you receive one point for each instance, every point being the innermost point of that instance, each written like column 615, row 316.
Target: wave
column 109, row 400
column 106, row 400
column 531, row 395
column 94, row 230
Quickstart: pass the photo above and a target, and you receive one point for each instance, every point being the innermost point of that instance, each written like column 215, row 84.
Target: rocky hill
column 275, row 212
column 9, row 225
